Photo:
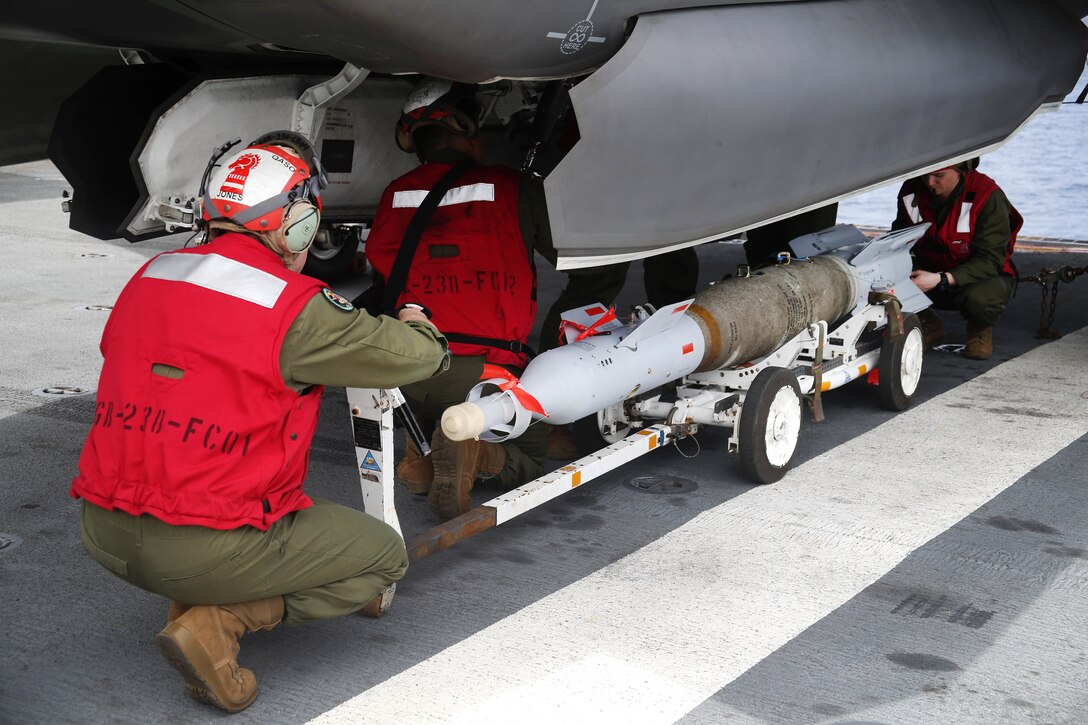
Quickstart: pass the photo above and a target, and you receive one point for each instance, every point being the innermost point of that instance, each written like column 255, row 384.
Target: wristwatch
column 943, row 285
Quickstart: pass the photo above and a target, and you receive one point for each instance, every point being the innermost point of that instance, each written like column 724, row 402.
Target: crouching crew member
column 191, row 477
column 964, row 261
column 458, row 238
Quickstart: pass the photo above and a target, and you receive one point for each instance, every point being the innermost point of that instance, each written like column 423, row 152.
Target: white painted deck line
column 650, row 637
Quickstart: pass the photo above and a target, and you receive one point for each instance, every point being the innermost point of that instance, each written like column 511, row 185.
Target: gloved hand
column 413, row 313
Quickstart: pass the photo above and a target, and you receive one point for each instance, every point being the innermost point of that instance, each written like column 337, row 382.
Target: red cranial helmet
column 437, row 102
column 253, row 187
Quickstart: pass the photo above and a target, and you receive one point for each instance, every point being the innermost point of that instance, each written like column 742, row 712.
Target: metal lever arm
column 408, row 420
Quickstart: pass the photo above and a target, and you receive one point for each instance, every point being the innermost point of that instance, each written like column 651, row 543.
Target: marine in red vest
column 214, row 364
column 964, row 261
column 473, row 269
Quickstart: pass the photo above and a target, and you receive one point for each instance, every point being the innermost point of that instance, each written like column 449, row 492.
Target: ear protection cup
column 301, row 220
column 471, row 110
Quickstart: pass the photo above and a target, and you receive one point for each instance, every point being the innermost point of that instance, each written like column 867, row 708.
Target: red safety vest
column 948, row 245
column 227, row 444
column 471, row 268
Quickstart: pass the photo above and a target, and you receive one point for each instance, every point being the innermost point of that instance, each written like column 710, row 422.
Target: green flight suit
column 326, row 560
column 981, row 291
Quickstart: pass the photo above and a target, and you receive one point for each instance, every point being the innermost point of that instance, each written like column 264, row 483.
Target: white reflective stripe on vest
column 963, row 226
column 456, row 195
column 913, row 211
column 220, row 274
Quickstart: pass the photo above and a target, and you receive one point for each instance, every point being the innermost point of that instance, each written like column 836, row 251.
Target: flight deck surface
column 927, row 566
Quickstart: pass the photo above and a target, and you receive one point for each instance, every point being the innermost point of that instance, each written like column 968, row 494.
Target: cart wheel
column 770, row 424
column 601, row 429
column 901, row 365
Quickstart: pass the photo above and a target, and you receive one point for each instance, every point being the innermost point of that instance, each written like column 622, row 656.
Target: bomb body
column 733, row 322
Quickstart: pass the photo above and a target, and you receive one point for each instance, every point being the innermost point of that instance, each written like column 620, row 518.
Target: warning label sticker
column 370, row 463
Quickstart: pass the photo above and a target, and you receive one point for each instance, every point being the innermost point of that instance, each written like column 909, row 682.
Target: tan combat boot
column 456, row 468
column 415, row 471
column 202, row 644
column 175, row 610
column 561, row 445
column 980, row 342
column 379, row 604
column 932, row 328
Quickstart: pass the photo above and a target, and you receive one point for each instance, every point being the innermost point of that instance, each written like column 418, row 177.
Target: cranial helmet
column 275, row 182
column 437, row 102
column 969, row 165
column 964, row 167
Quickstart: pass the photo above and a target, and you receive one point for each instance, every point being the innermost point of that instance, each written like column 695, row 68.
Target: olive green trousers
column 980, row 303
column 326, row 561
column 429, row 398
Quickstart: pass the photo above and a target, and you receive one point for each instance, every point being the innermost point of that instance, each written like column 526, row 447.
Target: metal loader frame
column 818, row 359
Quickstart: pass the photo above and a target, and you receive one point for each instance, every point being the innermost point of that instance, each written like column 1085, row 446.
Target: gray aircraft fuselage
column 696, row 118
column 468, row 40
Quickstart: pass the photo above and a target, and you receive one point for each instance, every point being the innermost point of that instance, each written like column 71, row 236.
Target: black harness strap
column 511, row 345
column 398, row 275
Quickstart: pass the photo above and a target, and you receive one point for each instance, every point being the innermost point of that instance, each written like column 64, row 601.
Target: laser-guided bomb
column 745, row 351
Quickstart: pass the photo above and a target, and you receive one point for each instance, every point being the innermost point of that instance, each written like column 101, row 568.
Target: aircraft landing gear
column 333, row 252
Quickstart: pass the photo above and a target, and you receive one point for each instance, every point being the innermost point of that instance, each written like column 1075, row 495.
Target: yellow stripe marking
column 576, row 479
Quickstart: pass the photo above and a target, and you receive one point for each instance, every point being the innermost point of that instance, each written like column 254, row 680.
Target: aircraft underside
column 682, row 125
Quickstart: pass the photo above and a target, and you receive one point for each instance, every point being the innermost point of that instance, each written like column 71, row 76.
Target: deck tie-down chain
column 1048, row 280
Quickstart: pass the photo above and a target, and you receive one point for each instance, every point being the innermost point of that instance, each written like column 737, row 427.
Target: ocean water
column 1043, row 170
